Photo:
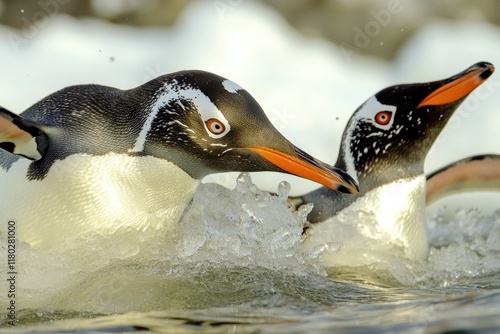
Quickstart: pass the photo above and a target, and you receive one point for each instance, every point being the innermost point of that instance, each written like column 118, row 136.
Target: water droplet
column 283, row 190
column 22, row 11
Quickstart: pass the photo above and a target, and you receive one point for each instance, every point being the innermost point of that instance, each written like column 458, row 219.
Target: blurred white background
column 310, row 64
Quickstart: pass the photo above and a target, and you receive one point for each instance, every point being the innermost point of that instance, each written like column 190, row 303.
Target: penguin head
column 388, row 137
column 208, row 124
column 199, row 121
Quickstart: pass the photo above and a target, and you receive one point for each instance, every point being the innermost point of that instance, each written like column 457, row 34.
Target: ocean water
column 236, row 263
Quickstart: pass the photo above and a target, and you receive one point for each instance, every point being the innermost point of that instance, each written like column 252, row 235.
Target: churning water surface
column 236, row 263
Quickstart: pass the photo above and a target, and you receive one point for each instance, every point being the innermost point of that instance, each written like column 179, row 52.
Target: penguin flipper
column 20, row 136
column 476, row 173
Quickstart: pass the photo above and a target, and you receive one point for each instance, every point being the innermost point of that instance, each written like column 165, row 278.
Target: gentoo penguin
column 383, row 147
column 95, row 159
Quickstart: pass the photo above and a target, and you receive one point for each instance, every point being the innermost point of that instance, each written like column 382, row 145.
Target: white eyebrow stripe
column 206, row 109
column 231, row 87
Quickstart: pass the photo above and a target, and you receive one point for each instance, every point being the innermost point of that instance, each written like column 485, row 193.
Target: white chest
column 85, row 194
column 386, row 218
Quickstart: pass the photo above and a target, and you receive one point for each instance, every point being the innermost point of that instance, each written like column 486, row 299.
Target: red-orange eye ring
column 215, row 126
column 383, row 117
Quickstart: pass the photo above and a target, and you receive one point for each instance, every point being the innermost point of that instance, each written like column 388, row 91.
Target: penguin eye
column 215, row 126
column 383, row 117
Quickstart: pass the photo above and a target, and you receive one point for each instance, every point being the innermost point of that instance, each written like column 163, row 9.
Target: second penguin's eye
column 383, row 117
column 215, row 126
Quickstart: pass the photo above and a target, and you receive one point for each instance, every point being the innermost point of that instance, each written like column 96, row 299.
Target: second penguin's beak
column 459, row 86
column 306, row 166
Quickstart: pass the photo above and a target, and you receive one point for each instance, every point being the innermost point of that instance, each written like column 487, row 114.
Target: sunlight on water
column 224, row 234
column 236, row 262
column 238, row 255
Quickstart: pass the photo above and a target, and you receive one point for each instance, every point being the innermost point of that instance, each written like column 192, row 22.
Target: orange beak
column 460, row 86
column 309, row 168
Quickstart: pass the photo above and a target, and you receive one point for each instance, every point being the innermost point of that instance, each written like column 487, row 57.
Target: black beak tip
column 486, row 67
column 344, row 189
column 489, row 69
column 354, row 187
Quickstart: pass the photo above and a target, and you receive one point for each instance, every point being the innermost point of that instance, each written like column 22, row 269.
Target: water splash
column 231, row 246
column 244, row 247
column 463, row 252
column 245, row 226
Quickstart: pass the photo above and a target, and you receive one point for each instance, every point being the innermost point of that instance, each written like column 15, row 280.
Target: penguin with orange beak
column 93, row 159
column 384, row 147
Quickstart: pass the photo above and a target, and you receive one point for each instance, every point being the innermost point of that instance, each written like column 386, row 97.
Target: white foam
column 99, row 274
column 223, row 240
column 241, row 228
